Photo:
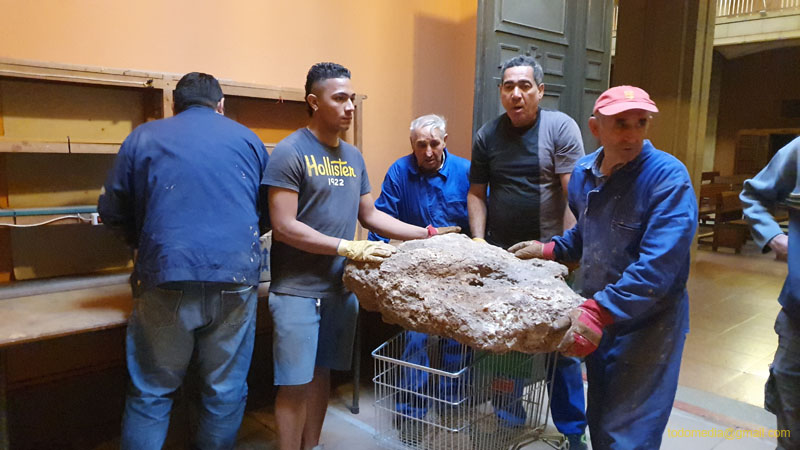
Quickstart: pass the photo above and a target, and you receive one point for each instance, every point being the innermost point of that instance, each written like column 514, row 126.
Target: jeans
column 782, row 391
column 211, row 326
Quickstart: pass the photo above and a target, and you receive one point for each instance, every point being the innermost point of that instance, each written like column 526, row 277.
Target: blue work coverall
column 779, row 182
column 633, row 237
column 438, row 199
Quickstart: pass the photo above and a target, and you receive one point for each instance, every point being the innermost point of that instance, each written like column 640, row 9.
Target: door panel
column 534, row 19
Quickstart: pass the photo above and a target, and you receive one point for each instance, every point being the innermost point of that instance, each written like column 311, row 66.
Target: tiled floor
column 733, row 304
column 346, row 431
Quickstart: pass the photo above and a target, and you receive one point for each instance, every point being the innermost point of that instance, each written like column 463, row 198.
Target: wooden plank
column 34, row 318
column 77, row 74
column 94, row 148
column 257, row 91
column 361, row 233
column 767, row 131
column 358, row 123
column 19, row 68
column 167, row 102
column 17, row 146
column 2, row 129
column 733, row 180
column 38, row 317
column 37, row 146
column 3, row 182
column 6, row 261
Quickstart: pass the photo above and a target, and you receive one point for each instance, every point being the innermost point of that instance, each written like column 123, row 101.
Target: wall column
column 665, row 47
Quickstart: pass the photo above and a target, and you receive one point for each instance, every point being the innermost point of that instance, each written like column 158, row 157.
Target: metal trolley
column 433, row 393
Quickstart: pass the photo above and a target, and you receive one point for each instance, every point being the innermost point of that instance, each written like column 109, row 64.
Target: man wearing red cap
column 637, row 215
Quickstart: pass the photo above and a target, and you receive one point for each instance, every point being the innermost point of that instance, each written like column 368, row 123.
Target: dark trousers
column 782, row 391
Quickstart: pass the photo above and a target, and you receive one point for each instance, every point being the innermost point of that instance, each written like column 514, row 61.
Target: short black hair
column 197, row 88
column 320, row 72
column 524, row 60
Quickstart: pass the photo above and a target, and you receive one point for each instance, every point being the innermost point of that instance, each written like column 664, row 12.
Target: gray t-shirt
column 522, row 168
column 329, row 182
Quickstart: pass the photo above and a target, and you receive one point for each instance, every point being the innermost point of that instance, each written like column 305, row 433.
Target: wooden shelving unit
column 60, row 127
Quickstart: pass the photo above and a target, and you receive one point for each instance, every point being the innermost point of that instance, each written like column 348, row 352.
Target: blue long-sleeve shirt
column 633, row 236
column 777, row 183
column 184, row 191
column 438, row 199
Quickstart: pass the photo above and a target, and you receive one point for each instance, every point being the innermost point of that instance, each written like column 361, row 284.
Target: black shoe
column 576, row 441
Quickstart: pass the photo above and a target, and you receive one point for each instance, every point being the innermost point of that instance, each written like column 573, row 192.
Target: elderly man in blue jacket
column 428, row 186
column 779, row 182
column 184, row 192
column 637, row 215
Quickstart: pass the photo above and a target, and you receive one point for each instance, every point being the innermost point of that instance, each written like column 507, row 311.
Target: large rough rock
column 477, row 294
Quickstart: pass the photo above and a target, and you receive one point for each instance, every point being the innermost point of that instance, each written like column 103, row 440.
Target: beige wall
column 750, row 97
column 409, row 57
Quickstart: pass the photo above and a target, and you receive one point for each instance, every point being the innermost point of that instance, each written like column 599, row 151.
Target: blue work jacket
column 778, row 183
column 633, row 238
column 184, row 191
column 438, row 199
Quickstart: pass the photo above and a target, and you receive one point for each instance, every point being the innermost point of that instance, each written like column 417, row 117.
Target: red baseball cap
column 623, row 98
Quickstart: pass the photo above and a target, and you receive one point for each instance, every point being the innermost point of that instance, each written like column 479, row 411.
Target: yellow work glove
column 480, row 240
column 370, row 251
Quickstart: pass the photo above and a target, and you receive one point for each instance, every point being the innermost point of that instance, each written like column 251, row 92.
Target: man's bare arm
column 569, row 218
column 287, row 229
column 476, row 207
column 379, row 222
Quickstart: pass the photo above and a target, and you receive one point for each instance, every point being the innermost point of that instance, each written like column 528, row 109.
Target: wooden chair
column 708, row 177
column 729, row 230
column 709, row 194
column 734, row 181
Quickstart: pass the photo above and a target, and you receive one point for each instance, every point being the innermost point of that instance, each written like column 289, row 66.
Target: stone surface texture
column 475, row 293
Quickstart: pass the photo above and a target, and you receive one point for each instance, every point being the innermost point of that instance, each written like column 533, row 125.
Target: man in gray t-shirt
column 318, row 187
column 525, row 157
column 329, row 182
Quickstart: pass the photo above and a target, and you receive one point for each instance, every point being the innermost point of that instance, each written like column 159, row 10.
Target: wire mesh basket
column 434, row 393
